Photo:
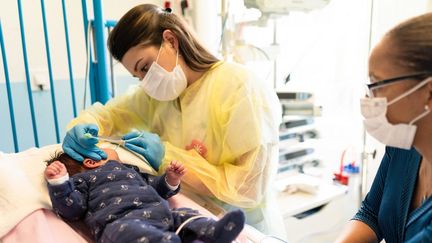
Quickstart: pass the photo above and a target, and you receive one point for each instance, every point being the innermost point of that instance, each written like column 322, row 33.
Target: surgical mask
column 376, row 124
column 163, row 85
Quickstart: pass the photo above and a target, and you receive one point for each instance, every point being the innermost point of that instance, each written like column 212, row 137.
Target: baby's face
column 92, row 164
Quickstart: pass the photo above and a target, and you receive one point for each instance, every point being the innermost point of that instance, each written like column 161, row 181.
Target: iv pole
column 366, row 155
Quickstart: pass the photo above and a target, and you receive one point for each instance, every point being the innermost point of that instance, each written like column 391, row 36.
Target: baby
column 121, row 204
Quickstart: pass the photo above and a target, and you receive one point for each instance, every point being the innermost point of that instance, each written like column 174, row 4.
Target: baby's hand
column 55, row 170
column 175, row 172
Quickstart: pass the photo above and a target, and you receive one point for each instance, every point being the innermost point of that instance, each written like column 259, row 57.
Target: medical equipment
column 117, row 141
column 285, row 6
column 79, row 143
column 121, row 143
column 146, row 144
column 299, row 103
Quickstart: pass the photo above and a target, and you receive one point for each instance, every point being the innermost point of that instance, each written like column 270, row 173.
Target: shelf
column 299, row 202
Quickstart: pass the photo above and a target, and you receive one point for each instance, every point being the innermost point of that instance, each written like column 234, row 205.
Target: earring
column 426, row 107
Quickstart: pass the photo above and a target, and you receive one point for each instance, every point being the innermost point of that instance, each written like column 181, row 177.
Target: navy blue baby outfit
column 121, row 204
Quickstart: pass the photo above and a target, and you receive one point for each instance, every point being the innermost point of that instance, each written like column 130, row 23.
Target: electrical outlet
column 39, row 79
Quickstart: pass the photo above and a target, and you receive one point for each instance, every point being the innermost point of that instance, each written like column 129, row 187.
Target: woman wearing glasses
column 398, row 208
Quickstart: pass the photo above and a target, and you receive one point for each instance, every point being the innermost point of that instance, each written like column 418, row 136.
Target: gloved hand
column 146, row 144
column 78, row 144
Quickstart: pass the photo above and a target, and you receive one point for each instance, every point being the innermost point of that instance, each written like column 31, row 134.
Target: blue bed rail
column 101, row 77
column 8, row 89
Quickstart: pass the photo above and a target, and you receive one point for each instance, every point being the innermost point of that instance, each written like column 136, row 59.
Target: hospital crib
column 32, row 123
column 24, row 118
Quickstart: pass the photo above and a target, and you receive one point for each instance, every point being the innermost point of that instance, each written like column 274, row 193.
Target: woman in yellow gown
column 214, row 116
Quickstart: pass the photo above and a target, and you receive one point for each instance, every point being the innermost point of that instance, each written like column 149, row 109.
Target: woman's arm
column 241, row 145
column 241, row 182
column 119, row 115
column 365, row 225
column 357, row 231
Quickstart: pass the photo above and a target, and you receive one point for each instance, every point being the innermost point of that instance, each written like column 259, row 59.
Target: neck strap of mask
column 412, row 90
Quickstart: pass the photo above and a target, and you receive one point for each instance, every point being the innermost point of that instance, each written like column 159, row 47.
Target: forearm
column 119, row 115
column 160, row 184
column 357, row 232
column 239, row 182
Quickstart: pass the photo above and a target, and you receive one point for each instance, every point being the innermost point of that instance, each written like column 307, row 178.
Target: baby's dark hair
column 73, row 167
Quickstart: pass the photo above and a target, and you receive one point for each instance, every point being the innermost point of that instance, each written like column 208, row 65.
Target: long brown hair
column 412, row 40
column 144, row 25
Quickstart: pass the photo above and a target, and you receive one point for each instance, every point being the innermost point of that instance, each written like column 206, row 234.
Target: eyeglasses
column 385, row 82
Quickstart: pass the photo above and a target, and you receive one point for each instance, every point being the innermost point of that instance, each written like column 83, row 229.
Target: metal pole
column 110, row 24
column 113, row 81
column 102, row 85
column 365, row 154
column 275, row 43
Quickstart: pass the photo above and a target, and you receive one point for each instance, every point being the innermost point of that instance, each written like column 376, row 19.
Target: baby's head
column 73, row 167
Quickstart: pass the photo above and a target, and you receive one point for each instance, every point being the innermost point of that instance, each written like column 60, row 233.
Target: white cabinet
column 314, row 217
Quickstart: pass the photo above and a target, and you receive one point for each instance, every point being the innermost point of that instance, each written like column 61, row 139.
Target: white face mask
column 375, row 121
column 163, row 85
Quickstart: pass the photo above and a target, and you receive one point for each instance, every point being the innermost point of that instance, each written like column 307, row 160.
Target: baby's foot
column 229, row 227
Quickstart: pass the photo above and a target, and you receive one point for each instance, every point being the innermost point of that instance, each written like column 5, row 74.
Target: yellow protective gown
column 223, row 128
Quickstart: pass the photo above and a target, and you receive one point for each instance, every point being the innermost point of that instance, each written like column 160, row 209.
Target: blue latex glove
column 146, row 144
column 80, row 143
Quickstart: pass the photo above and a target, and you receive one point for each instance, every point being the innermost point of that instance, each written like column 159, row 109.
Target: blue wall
column 43, row 112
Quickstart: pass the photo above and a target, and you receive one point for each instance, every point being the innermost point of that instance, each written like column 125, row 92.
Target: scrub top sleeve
column 424, row 235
